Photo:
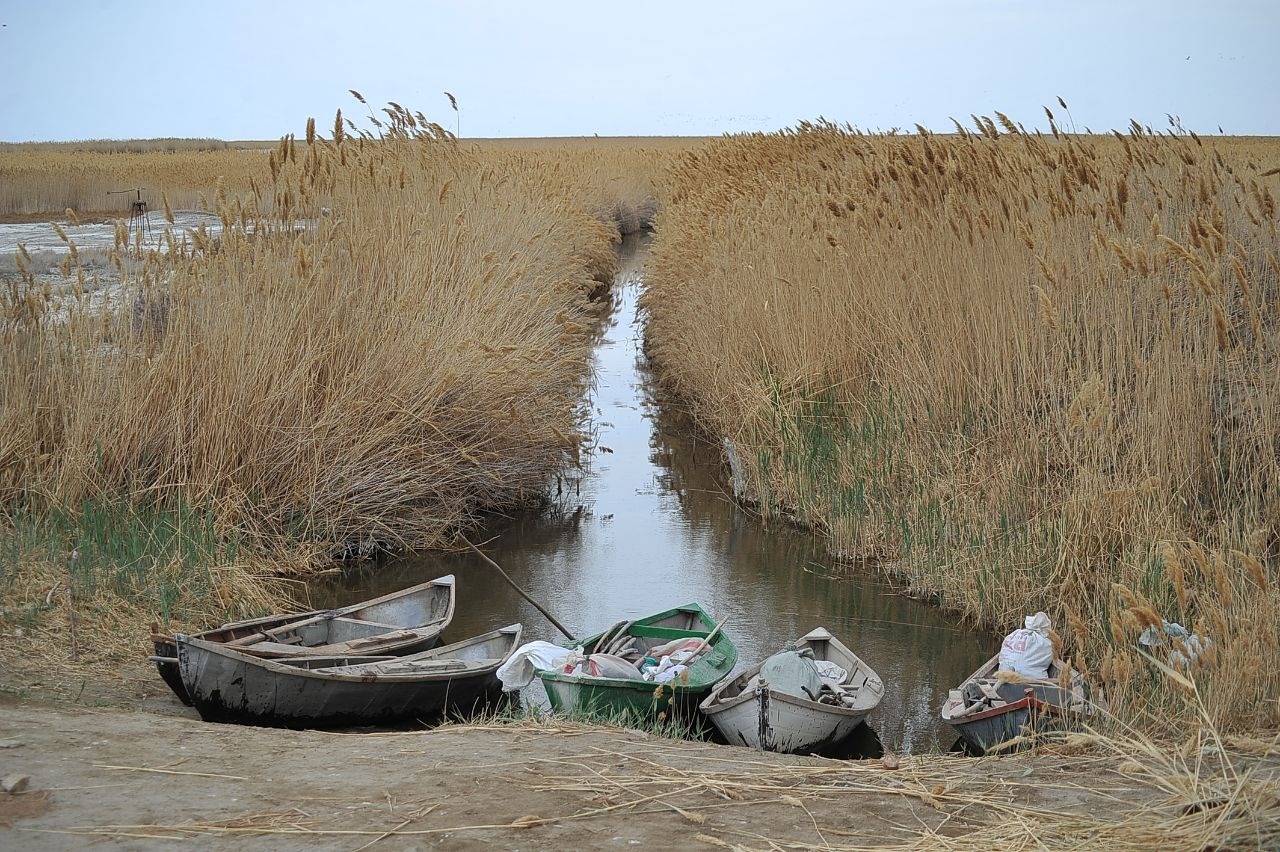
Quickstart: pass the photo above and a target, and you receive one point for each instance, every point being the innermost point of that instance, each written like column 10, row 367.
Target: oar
column 522, row 592
column 707, row 640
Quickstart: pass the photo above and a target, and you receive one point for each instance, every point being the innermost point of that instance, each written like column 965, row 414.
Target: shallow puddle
column 648, row 526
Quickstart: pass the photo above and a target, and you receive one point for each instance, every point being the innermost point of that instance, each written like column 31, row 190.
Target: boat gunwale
column 987, row 672
column 713, row 704
column 349, row 611
column 277, row 668
column 720, row 642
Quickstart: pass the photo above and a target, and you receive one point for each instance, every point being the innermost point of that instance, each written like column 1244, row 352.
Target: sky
column 235, row 69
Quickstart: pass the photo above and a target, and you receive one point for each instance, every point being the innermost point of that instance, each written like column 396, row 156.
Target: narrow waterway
column 648, row 525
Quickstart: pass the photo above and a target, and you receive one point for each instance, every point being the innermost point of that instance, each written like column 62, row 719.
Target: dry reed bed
column 614, row 177
column 1020, row 371
column 419, row 347
column 618, row 179
column 391, row 333
column 52, row 179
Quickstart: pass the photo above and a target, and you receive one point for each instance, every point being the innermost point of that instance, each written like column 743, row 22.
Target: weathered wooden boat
column 227, row 685
column 991, row 708
column 402, row 622
column 165, row 654
column 636, row 698
column 796, row 715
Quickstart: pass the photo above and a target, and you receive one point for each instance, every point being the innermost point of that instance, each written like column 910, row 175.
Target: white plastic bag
column 661, row 671
column 828, row 670
column 668, row 675
column 1028, row 650
column 1176, row 638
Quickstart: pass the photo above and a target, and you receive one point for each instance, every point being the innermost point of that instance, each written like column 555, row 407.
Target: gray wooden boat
column 227, row 685
column 750, row 711
column 402, row 622
column 991, row 708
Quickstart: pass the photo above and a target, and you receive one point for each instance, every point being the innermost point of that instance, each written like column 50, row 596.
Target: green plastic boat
column 636, row 699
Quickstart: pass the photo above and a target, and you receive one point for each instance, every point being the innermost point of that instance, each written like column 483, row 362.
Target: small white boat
column 993, row 707
column 800, row 712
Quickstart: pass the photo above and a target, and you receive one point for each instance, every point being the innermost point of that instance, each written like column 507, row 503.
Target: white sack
column 1039, row 622
column 1028, row 650
column 792, row 673
column 604, row 665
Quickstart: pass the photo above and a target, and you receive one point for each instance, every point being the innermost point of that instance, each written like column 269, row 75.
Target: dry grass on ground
column 555, row 783
column 1022, row 372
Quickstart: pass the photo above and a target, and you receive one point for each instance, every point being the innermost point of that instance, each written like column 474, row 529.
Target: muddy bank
column 129, row 780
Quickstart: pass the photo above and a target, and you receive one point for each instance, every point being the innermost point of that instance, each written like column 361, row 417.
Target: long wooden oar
column 522, row 592
column 706, row 641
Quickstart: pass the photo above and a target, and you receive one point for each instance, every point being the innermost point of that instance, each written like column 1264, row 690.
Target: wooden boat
column 165, row 654
column 228, row 685
column 991, row 708
column 409, row 620
column 637, row 698
column 749, row 711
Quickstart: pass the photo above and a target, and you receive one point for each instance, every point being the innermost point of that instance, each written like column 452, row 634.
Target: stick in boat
column 706, row 642
column 522, row 592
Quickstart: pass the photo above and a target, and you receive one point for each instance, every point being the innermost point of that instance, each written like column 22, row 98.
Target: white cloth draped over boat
column 529, row 659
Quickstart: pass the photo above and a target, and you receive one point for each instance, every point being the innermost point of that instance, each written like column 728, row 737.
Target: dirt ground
column 139, row 771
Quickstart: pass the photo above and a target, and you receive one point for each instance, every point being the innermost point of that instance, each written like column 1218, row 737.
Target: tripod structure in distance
column 139, row 217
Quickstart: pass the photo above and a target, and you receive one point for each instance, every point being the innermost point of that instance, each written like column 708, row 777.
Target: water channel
column 648, row 526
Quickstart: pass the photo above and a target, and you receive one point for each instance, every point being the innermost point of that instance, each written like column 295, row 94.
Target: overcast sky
column 236, row 69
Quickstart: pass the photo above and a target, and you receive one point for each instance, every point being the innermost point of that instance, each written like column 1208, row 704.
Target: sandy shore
column 139, row 771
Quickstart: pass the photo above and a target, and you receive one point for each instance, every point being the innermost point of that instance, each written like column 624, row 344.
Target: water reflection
column 648, row 526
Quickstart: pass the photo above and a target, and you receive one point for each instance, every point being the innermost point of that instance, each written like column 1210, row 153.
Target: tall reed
column 1017, row 370
column 53, row 178
column 389, row 334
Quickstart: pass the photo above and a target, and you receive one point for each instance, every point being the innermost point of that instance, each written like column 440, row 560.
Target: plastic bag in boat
column 660, row 672
column 1028, row 650
column 829, row 671
column 666, row 675
column 529, row 659
column 792, row 673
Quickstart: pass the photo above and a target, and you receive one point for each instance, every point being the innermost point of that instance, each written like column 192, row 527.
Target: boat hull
column 623, row 700
column 774, row 721
column 422, row 611
column 639, row 700
column 753, row 715
column 227, row 686
column 1021, row 710
column 983, row 732
column 166, row 650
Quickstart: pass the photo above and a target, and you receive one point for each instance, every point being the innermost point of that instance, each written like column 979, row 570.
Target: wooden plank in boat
column 990, row 691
